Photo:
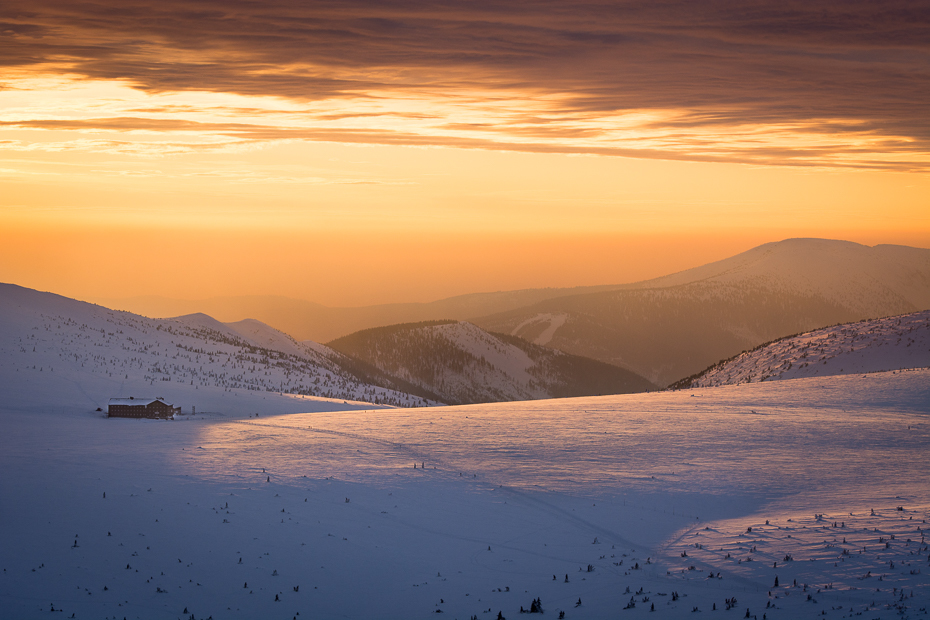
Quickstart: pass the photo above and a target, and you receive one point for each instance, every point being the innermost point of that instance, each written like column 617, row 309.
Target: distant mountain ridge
column 461, row 364
column 876, row 345
column 675, row 326
column 863, row 278
column 306, row 320
column 665, row 328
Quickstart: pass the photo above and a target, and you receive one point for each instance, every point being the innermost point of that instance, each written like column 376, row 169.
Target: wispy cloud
column 792, row 83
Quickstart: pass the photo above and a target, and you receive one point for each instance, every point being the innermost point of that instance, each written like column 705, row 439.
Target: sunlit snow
column 889, row 343
column 474, row 510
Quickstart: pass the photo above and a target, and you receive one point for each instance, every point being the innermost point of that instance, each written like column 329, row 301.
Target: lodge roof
column 137, row 402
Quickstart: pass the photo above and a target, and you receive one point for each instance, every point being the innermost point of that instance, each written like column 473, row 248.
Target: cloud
column 550, row 71
column 228, row 137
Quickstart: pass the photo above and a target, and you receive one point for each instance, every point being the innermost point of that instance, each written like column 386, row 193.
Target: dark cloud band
column 855, row 67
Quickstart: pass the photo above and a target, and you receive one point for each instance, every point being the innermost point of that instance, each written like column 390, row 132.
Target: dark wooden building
column 141, row 408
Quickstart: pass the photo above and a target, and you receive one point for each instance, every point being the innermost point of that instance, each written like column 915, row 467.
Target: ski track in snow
column 555, row 321
column 611, row 500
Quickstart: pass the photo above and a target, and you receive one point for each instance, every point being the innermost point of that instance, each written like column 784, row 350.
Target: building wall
column 154, row 410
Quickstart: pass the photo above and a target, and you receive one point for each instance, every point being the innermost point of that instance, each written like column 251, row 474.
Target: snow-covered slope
column 891, row 343
column 638, row 506
column 61, row 353
column 461, row 363
column 267, row 337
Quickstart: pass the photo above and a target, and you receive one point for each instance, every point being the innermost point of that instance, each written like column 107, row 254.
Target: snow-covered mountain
column 460, row 363
column 57, row 352
column 892, row 343
column 675, row 326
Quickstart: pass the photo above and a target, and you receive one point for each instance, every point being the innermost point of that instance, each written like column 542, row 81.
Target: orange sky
column 359, row 153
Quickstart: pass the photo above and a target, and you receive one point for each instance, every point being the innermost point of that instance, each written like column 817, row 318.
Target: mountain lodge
column 133, row 407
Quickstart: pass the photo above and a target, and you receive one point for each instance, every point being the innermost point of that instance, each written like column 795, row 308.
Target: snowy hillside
column 58, row 352
column 891, row 343
column 461, row 363
column 675, row 326
column 267, row 337
column 780, row 500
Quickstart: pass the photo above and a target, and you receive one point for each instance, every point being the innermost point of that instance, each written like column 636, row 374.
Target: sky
column 356, row 152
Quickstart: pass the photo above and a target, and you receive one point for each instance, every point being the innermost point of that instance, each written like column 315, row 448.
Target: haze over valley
column 663, row 329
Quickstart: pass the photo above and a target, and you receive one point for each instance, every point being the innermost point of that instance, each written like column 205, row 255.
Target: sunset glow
column 355, row 153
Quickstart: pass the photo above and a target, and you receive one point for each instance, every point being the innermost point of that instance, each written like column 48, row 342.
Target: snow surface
column 891, row 343
column 606, row 501
column 266, row 336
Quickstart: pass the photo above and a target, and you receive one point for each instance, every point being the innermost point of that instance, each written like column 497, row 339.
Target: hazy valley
column 663, row 329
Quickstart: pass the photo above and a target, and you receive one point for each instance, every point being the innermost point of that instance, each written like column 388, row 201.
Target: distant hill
column 59, row 353
column 675, row 326
column 460, row 363
column 869, row 280
column 305, row 320
column 891, row 343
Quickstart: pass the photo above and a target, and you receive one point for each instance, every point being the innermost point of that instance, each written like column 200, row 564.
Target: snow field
column 623, row 484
